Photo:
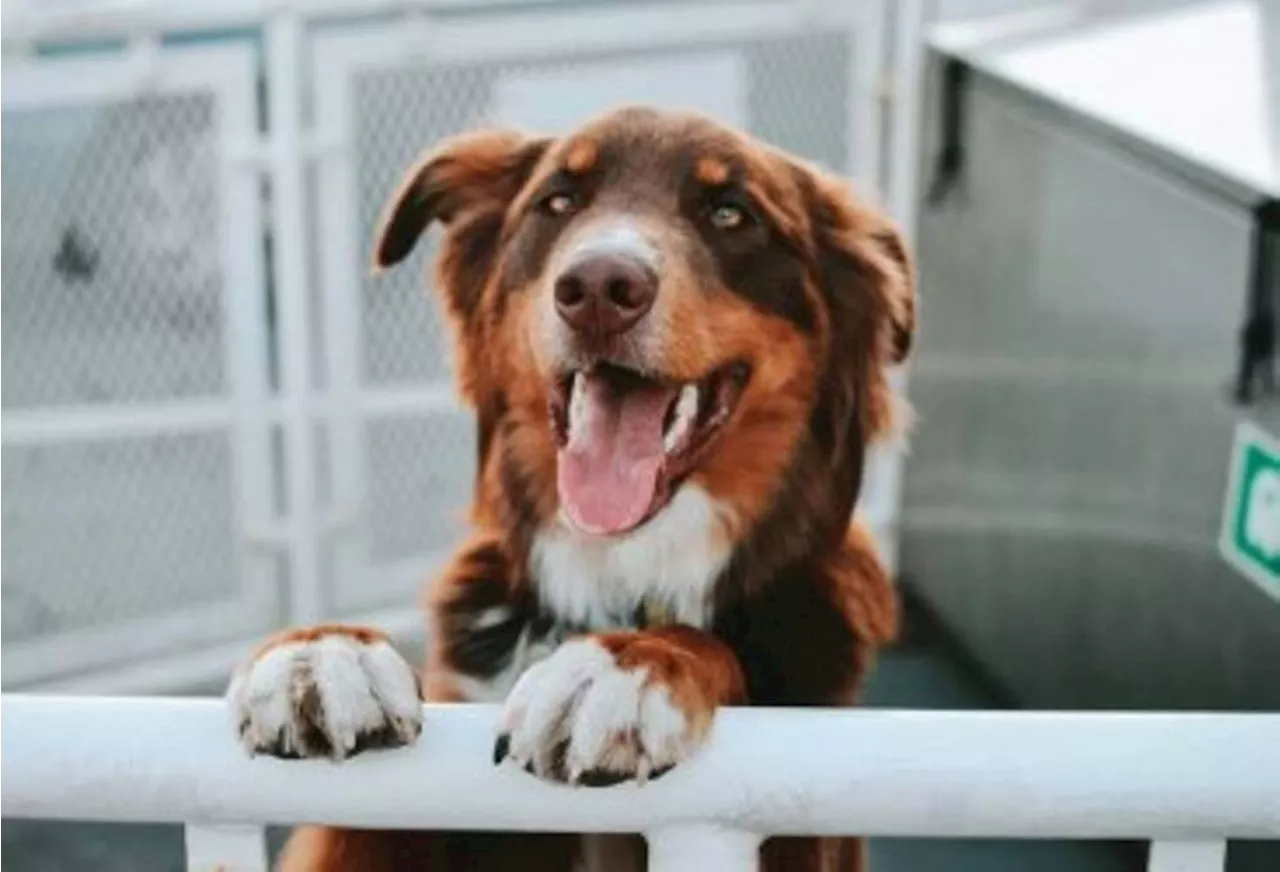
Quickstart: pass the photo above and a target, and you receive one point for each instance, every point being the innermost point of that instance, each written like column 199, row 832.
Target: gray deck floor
column 921, row 674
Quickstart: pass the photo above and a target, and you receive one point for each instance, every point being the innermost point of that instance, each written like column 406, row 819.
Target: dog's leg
column 335, row 691
column 610, row 707
column 328, row 691
column 320, row 849
column 483, row 626
column 795, row 854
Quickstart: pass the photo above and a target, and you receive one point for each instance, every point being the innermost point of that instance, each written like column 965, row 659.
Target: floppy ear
column 868, row 281
column 863, row 253
column 467, row 183
column 900, row 291
column 484, row 170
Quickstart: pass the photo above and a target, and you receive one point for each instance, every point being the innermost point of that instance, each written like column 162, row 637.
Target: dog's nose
column 605, row 294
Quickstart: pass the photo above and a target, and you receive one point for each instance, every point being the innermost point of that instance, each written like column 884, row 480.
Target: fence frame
column 240, row 412
column 321, row 533
column 1186, row 781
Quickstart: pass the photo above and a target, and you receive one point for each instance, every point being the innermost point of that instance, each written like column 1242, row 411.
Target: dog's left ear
column 467, row 183
column 479, row 170
column 862, row 255
column 900, row 290
column 867, row 280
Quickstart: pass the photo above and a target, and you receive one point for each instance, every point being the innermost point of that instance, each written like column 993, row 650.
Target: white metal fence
column 215, row 421
column 1188, row 782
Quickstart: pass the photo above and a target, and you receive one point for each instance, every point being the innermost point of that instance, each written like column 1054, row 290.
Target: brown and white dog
column 674, row 339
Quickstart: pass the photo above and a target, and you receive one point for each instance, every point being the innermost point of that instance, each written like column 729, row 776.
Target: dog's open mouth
column 625, row 440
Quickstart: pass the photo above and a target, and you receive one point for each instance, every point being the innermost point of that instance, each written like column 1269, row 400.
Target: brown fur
column 817, row 299
column 699, row 672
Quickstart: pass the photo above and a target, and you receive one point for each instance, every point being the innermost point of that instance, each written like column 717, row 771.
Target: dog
column 675, row 340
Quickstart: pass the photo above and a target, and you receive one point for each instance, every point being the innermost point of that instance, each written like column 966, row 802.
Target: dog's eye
column 728, row 216
column 559, row 204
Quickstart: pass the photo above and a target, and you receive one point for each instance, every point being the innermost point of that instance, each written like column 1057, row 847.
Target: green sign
column 1250, row 539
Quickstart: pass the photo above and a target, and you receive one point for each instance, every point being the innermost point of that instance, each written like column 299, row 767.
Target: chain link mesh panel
column 799, row 96
column 399, row 114
column 113, row 295
column 421, row 472
column 115, row 530
column 111, row 271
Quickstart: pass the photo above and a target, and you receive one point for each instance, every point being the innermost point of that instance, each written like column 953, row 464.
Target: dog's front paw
column 602, row 710
column 325, row 692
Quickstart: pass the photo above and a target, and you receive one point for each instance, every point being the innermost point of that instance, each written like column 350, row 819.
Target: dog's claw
column 642, row 770
column 501, row 748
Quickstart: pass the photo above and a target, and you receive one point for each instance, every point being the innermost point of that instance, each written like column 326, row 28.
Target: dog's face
column 656, row 300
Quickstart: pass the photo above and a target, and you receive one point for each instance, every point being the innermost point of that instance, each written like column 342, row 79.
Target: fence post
column 1209, row 855
column 216, row 848
column 702, row 848
column 290, row 251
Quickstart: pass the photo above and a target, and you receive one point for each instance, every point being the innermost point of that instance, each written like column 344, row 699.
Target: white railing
column 1188, row 782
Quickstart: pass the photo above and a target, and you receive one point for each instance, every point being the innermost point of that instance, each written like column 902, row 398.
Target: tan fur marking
column 581, row 156
column 438, row 687
column 711, row 171
column 302, row 635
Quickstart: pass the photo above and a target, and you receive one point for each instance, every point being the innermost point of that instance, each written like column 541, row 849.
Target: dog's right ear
column 473, row 173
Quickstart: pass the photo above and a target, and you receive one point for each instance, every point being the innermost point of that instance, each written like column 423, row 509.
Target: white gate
column 136, row 429
column 233, row 415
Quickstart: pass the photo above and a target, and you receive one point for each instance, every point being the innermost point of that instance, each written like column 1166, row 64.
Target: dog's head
column 656, row 300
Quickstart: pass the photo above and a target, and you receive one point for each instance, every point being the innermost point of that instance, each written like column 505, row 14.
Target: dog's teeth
column 577, row 400
column 682, row 421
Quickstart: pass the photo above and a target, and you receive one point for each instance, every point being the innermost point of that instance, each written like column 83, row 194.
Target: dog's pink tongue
column 608, row 472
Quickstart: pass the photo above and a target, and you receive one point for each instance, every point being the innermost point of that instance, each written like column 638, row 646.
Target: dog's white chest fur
column 671, row 561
